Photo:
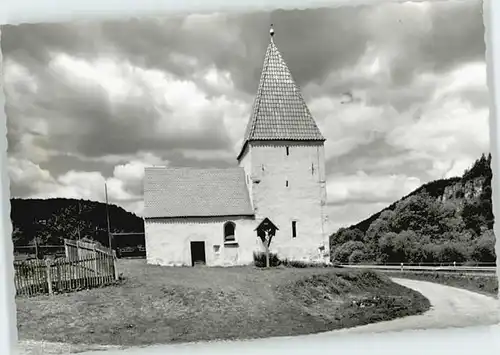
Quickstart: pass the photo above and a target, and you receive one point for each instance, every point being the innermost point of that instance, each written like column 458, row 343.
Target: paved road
column 451, row 307
column 469, row 269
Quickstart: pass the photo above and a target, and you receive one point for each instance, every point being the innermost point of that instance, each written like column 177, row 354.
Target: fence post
column 95, row 259
column 115, row 265
column 401, row 266
column 49, row 276
column 66, row 249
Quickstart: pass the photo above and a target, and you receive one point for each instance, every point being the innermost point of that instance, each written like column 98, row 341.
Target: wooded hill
column 52, row 220
column 447, row 220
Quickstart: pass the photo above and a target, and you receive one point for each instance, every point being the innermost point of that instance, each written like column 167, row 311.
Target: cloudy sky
column 89, row 101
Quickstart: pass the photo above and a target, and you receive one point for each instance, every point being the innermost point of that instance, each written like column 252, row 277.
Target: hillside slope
column 447, row 220
column 52, row 220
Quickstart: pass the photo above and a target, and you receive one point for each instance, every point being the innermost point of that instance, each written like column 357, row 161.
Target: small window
column 312, row 168
column 229, row 228
column 287, row 151
column 287, row 183
column 294, row 229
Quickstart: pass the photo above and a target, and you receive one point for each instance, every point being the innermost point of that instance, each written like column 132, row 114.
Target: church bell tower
column 284, row 162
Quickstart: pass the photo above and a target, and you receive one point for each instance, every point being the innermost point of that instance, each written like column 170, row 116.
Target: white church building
column 209, row 216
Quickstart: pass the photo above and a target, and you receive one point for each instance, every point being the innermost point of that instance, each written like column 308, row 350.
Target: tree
column 398, row 247
column 380, row 226
column 480, row 168
column 452, row 252
column 344, row 235
column 342, row 253
column 472, row 215
column 356, row 257
column 413, row 213
column 439, row 221
column 387, row 248
column 17, row 236
column 409, row 246
column 484, row 248
column 430, row 253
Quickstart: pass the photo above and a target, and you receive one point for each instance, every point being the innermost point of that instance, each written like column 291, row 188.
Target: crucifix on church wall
column 266, row 231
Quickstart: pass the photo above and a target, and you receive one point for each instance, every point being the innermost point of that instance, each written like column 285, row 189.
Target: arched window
column 229, row 228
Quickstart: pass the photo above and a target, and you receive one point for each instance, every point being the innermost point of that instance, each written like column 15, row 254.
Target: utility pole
column 107, row 214
column 36, row 247
column 78, row 223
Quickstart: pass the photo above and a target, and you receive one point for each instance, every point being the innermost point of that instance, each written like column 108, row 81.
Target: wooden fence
column 77, row 250
column 89, row 267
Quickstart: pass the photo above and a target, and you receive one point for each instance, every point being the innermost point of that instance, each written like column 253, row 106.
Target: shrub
column 301, row 264
column 294, row 263
column 483, row 249
column 259, row 259
column 342, row 253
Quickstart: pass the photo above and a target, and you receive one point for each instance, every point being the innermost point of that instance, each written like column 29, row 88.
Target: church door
column 198, row 253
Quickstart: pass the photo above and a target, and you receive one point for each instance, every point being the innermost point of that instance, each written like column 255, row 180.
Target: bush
column 301, row 264
column 342, row 253
column 357, row 257
column 483, row 249
column 259, row 259
column 295, row 264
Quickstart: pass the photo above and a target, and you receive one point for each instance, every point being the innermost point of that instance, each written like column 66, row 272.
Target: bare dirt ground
column 451, row 307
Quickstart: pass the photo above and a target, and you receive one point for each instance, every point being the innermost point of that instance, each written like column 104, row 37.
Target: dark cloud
column 455, row 35
column 314, row 42
column 21, row 188
column 95, row 126
column 177, row 158
column 60, row 164
column 378, row 157
column 32, row 44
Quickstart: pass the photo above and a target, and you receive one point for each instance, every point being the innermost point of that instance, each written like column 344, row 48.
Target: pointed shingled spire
column 279, row 110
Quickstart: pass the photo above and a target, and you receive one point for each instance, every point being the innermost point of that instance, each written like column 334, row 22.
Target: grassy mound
column 348, row 299
column 164, row 305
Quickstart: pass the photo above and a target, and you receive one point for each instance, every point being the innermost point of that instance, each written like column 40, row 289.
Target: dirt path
column 451, row 307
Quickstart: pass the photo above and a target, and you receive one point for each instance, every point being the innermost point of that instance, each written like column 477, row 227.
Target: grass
column 164, row 305
column 484, row 284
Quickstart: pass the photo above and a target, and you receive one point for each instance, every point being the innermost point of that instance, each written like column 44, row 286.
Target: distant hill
column 445, row 220
column 52, row 220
